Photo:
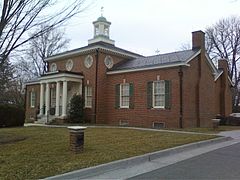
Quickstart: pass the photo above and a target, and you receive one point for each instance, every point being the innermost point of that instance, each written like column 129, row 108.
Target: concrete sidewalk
column 131, row 167
column 120, row 127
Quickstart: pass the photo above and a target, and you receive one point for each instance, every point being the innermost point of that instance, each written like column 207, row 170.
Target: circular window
column 108, row 61
column 69, row 65
column 53, row 67
column 88, row 61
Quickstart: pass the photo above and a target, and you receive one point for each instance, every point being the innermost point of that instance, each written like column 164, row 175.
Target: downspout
column 180, row 73
column 96, row 85
column 25, row 101
column 198, row 92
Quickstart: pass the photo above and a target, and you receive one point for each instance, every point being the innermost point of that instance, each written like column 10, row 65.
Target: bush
column 236, row 109
column 11, row 116
column 76, row 109
column 233, row 121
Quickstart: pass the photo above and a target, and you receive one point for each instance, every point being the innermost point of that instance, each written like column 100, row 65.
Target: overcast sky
column 144, row 26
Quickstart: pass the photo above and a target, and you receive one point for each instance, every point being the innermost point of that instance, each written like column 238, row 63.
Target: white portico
column 56, row 90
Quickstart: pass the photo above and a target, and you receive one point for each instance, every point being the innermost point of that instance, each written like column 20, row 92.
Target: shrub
column 11, row 116
column 236, row 109
column 76, row 109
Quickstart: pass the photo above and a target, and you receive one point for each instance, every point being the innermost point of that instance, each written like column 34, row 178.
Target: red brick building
column 178, row 89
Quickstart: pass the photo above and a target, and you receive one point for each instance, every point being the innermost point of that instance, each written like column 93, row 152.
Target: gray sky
column 143, row 26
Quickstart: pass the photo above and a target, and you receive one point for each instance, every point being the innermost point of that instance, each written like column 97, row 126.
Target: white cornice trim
column 148, row 68
column 32, row 83
column 216, row 76
column 195, row 55
column 61, row 76
column 211, row 63
column 230, row 81
column 80, row 51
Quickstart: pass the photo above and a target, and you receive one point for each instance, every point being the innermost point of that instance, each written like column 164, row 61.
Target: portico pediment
column 60, row 76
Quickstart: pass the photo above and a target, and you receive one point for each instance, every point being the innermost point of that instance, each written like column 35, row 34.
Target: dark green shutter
column 167, row 94
column 36, row 99
column 117, row 96
column 149, row 94
column 131, row 96
column 29, row 99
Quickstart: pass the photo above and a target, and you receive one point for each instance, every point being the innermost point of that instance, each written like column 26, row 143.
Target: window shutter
column 131, row 96
column 149, row 94
column 167, row 94
column 29, row 99
column 35, row 99
column 117, row 96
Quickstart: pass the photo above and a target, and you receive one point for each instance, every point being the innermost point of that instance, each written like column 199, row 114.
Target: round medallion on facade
column 88, row 61
column 53, row 67
column 69, row 65
column 108, row 61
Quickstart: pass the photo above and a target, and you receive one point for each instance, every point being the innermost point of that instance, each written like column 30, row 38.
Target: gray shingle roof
column 157, row 60
column 101, row 44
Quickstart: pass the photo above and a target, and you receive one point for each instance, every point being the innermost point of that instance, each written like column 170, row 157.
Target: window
column 124, row 95
column 158, row 94
column 53, row 97
column 32, row 99
column 53, row 67
column 88, row 96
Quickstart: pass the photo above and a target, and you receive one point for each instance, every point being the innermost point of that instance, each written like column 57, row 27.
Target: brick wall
column 90, row 79
column 201, row 94
column 141, row 115
column 30, row 112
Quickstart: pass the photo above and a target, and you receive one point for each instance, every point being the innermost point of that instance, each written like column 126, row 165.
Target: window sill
column 124, row 107
column 87, row 107
column 158, row 107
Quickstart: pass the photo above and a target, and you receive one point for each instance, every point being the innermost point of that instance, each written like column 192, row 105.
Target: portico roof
column 57, row 76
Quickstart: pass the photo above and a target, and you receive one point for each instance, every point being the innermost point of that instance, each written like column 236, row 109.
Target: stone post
column 76, row 138
column 215, row 123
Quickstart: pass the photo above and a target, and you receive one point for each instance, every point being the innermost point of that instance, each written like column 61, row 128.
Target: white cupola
column 101, row 31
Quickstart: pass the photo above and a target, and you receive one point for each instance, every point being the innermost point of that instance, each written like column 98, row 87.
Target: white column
column 57, row 98
column 64, row 99
column 41, row 98
column 80, row 88
column 47, row 100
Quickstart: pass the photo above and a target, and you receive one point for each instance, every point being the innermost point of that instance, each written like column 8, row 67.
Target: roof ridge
column 170, row 53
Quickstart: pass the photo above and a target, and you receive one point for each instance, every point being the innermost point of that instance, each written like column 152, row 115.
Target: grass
column 41, row 152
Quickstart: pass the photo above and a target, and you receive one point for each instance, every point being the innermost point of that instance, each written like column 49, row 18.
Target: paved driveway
column 234, row 134
column 223, row 163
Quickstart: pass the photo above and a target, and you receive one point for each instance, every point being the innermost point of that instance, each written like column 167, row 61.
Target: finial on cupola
column 101, row 30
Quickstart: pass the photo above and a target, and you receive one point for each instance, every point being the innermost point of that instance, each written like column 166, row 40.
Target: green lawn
column 37, row 152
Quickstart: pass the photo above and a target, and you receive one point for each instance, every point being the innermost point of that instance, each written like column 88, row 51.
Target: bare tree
column 45, row 45
column 223, row 41
column 21, row 17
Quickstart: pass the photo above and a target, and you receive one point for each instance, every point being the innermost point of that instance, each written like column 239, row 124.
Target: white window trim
column 85, row 105
column 121, row 106
column 153, row 96
column 32, row 104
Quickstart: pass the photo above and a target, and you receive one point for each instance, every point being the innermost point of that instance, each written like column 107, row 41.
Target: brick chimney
column 223, row 64
column 198, row 40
